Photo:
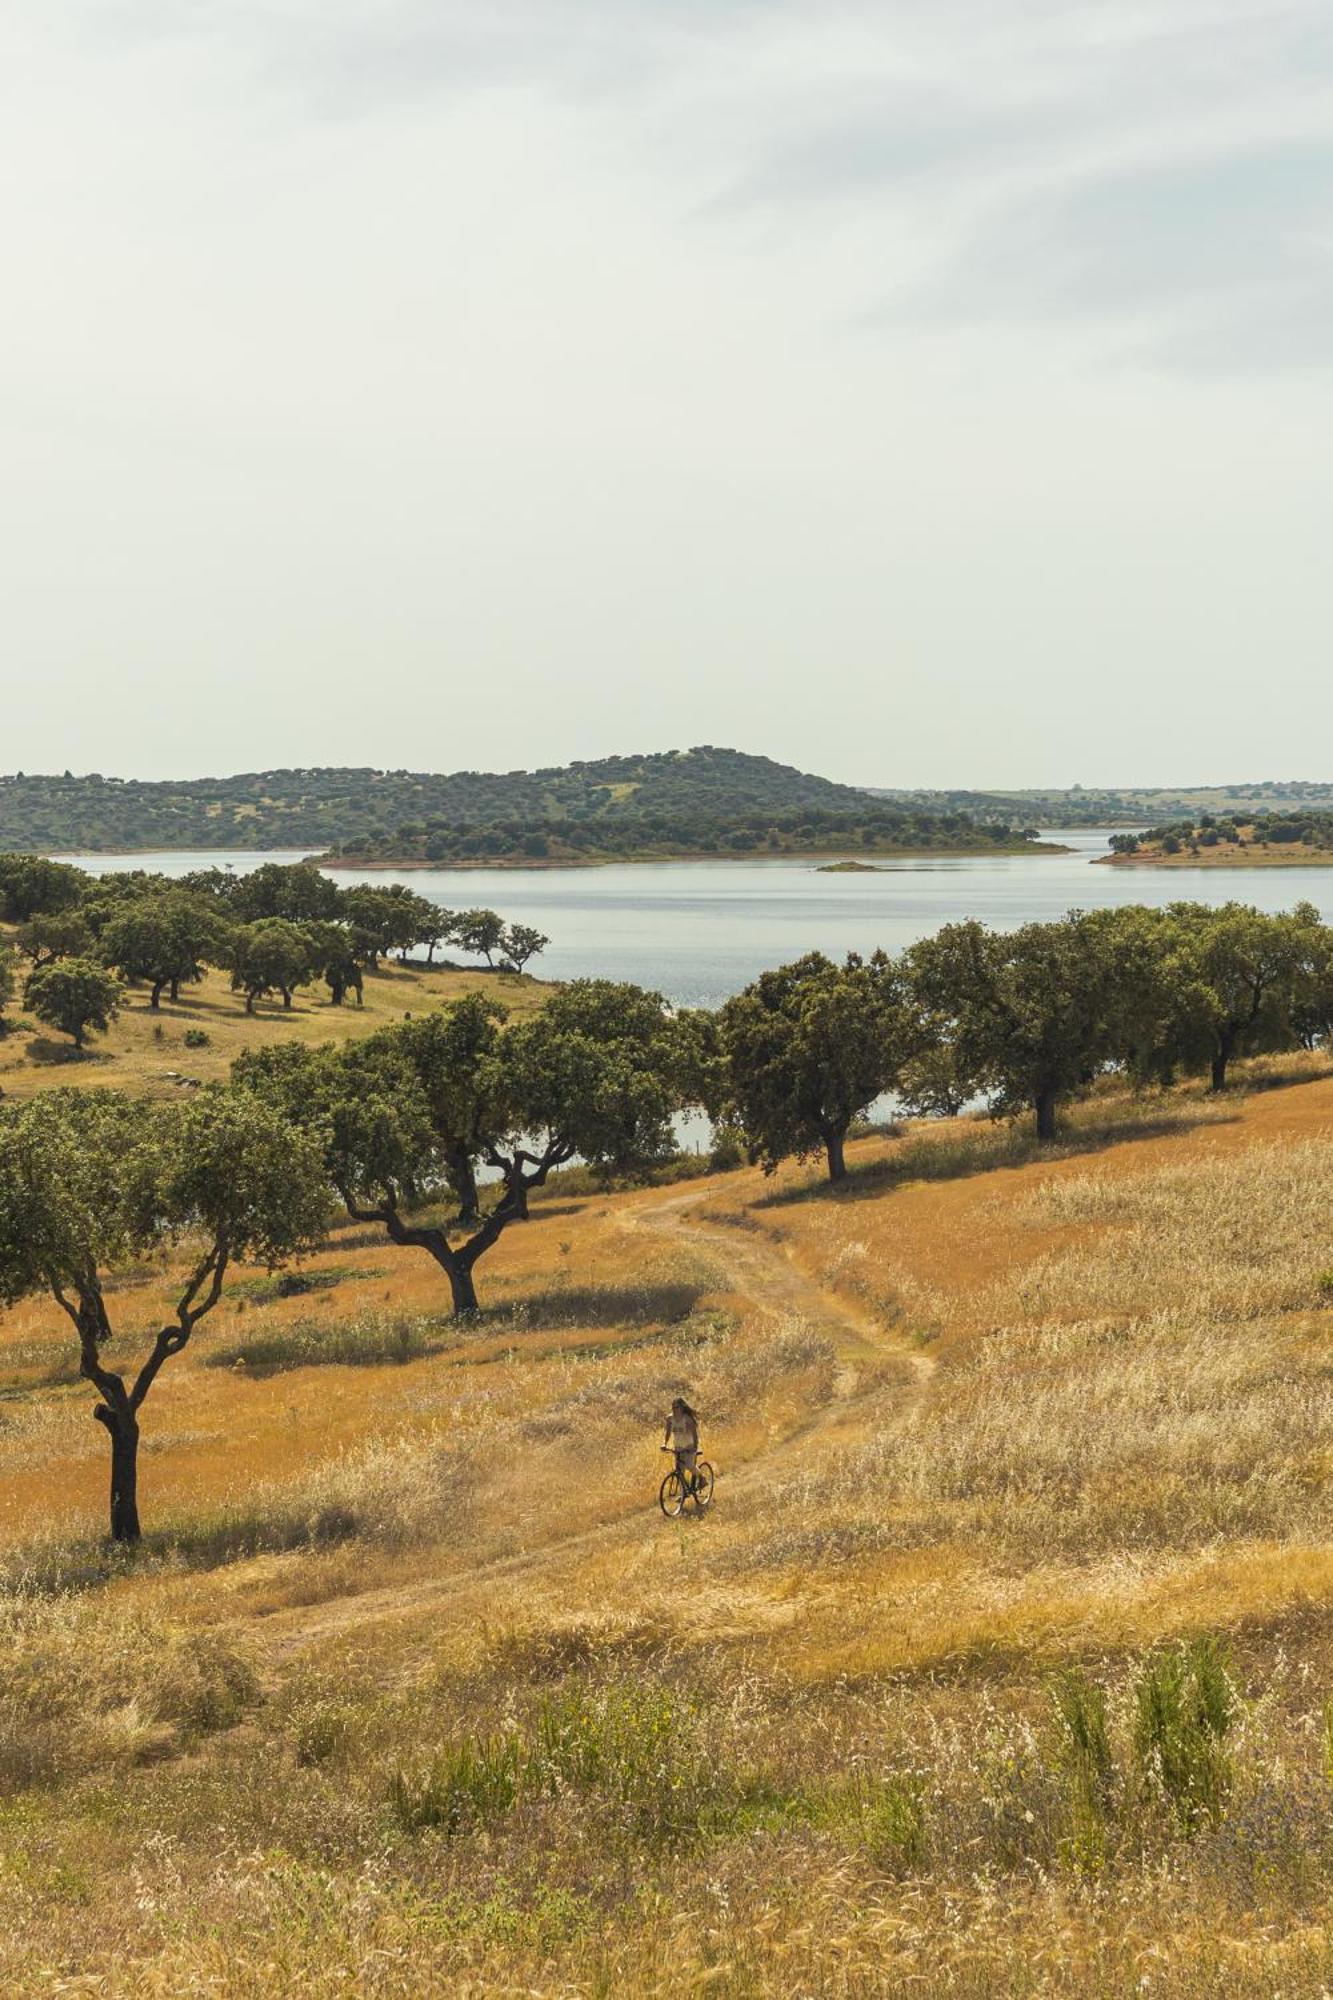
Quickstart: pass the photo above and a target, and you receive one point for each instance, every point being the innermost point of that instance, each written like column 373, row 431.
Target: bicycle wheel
column 671, row 1499
column 703, row 1485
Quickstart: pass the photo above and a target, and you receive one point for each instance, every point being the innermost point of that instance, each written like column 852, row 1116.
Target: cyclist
column 682, row 1437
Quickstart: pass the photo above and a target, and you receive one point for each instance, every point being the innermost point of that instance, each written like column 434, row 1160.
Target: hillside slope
column 435, row 1698
column 671, row 801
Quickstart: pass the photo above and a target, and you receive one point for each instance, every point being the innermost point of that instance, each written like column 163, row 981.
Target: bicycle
column 676, row 1489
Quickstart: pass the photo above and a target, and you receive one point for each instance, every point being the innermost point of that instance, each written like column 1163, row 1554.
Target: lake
column 699, row 930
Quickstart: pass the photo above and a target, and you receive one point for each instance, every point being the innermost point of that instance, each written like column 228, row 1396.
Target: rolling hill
column 669, row 802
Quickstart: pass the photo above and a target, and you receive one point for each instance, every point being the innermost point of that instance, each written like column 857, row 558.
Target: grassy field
column 147, row 1051
column 1001, row 1665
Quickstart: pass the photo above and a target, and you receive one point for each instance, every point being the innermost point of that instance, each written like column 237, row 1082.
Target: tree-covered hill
column 671, row 802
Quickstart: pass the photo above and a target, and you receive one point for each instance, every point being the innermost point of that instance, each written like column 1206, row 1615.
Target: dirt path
column 762, row 1270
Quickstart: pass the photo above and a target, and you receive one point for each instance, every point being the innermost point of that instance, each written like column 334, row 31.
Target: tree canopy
column 73, row 995
column 808, row 1048
column 414, row 1113
column 165, row 940
column 91, row 1178
column 1030, row 1015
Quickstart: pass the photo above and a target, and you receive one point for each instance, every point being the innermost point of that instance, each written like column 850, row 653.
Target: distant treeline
column 1101, row 806
column 703, row 800
column 646, row 835
column 395, row 1129
column 273, row 930
column 1268, row 829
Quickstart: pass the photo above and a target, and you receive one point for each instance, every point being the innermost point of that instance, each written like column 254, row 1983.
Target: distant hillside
column 1127, row 805
column 670, row 802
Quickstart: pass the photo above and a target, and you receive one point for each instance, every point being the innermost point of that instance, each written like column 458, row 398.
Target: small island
column 1274, row 840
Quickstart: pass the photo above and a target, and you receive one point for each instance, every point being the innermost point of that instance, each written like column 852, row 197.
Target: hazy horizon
column 926, row 395
column 1182, row 785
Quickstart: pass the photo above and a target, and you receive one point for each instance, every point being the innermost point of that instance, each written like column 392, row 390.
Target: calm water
column 699, row 930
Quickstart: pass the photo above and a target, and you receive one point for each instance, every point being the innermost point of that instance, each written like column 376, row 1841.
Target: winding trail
column 761, row 1269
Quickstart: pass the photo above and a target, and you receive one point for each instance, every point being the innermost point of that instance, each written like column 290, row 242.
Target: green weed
column 370, row 1340
column 469, row 1784
column 893, row 1820
column 1185, row 1706
column 1086, row 1762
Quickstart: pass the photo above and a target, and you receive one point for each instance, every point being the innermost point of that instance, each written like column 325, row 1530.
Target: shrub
column 371, row 1340
column 470, row 1784
column 324, row 1731
column 631, row 1749
column 197, row 1038
column 1184, row 1708
column 893, row 1815
column 1084, row 1756
column 630, row 1744
column 727, row 1151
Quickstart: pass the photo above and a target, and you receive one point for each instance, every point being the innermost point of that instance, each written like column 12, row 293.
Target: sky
column 926, row 392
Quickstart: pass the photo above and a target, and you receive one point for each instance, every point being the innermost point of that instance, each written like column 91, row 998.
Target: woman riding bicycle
column 682, row 1437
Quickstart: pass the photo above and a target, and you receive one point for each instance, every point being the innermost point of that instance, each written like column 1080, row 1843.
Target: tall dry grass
column 1164, row 1379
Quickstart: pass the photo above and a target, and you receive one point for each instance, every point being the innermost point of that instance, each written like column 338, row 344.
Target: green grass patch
column 266, row 1286
column 369, row 1340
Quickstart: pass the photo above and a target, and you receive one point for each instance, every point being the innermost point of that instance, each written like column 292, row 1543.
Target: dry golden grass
column 413, row 1689
column 147, row 1051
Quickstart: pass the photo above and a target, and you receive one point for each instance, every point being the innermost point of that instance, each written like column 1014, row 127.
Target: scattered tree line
column 274, row 930
column 438, row 1129
column 1266, row 829
column 1025, row 1020
column 396, row 1130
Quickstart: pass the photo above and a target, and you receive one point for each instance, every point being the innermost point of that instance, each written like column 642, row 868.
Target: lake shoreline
column 340, row 864
column 1214, row 861
column 539, row 864
column 699, row 934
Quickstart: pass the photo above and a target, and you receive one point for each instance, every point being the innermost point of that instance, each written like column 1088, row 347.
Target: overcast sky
column 923, row 392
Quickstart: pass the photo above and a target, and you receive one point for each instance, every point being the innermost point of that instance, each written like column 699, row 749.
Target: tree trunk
column 123, row 1430
column 464, row 1178
column 1044, row 1104
column 287, row 996
column 1222, row 1054
column 833, row 1147
column 156, row 995
column 461, row 1286
column 175, row 988
column 250, row 1003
